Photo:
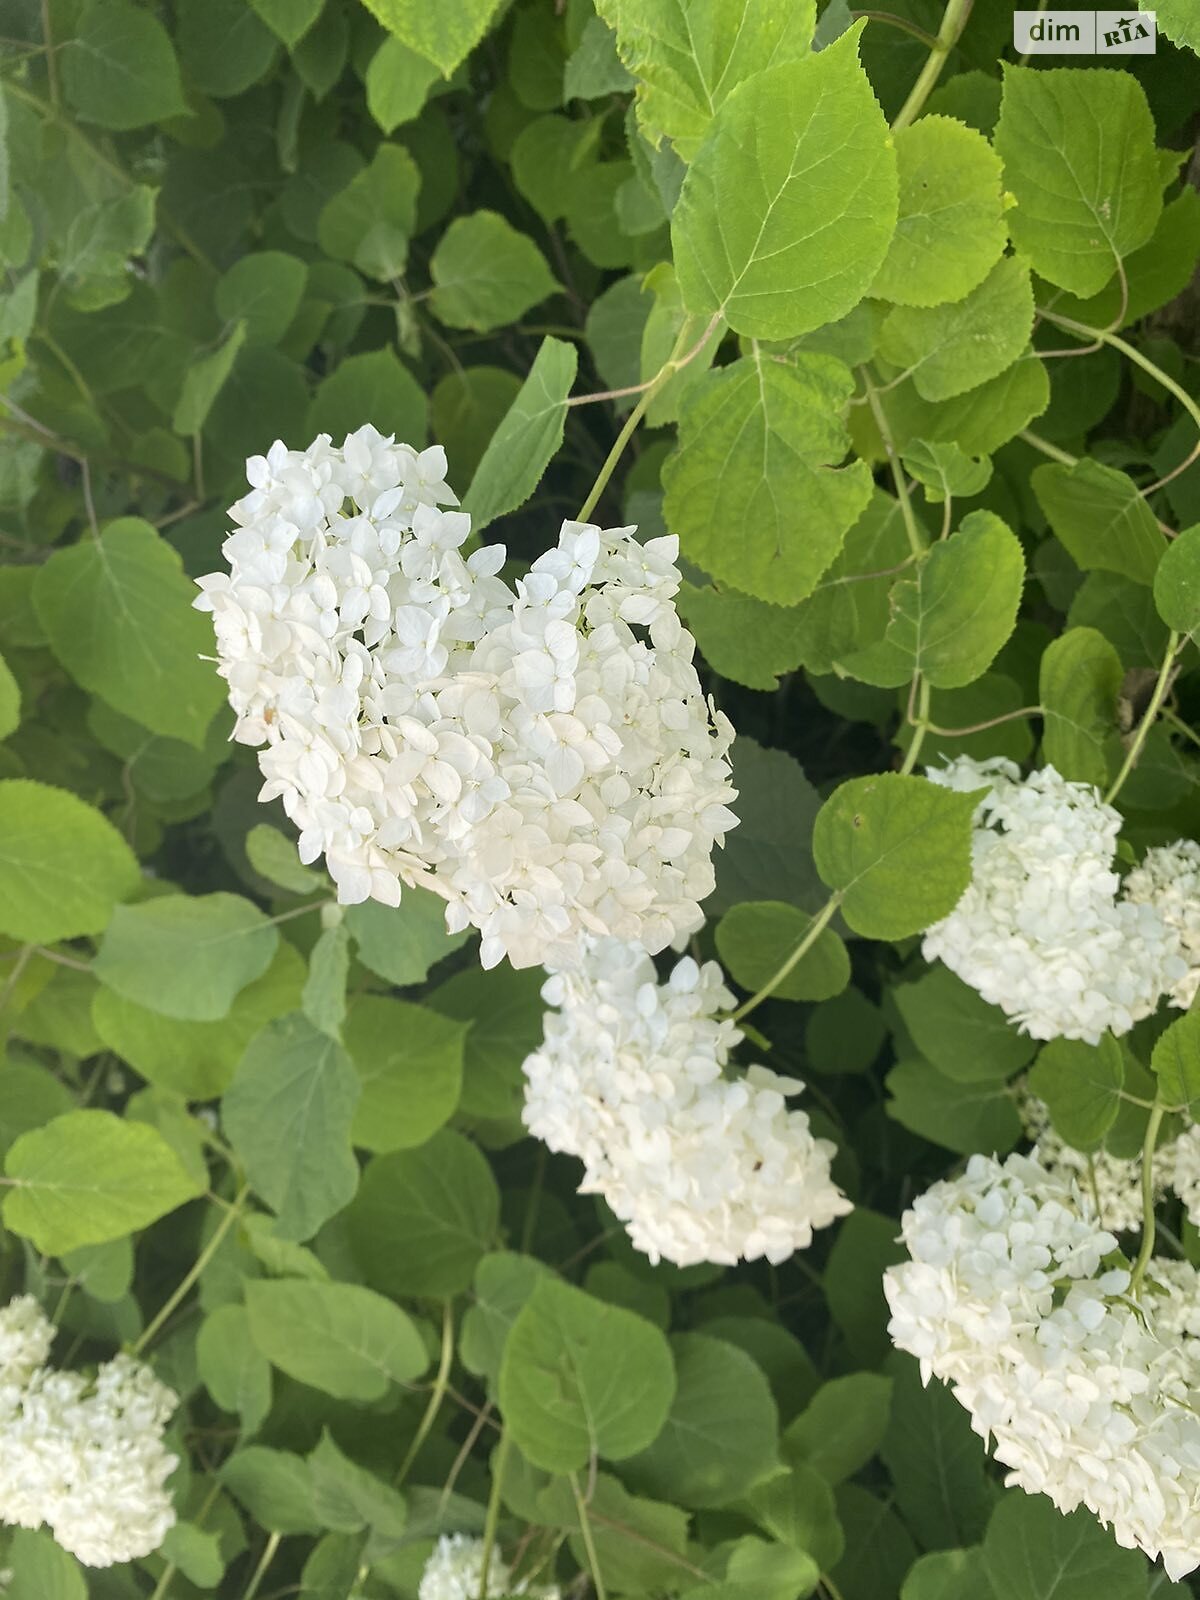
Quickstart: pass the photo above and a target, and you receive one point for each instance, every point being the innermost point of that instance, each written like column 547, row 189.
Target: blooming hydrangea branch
column 1044, row 930
column 84, row 1457
column 631, row 1079
column 544, row 759
column 455, row 1572
column 1010, row 1298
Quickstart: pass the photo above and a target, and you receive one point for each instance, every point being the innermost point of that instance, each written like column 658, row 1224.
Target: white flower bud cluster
column 1042, row 930
column 1010, row 1297
column 547, row 769
column 1169, row 880
column 455, row 1572
column 84, row 1457
column 631, row 1079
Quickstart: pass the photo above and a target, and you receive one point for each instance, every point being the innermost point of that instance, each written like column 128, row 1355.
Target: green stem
column 1148, row 1228
column 1048, row 449
column 23, row 957
column 1156, row 699
column 661, row 378
column 929, row 40
column 589, row 1544
column 193, row 1274
column 436, row 1396
column 920, row 726
column 813, row 932
column 954, row 20
column 493, row 1512
column 264, row 1562
column 916, row 539
column 1130, row 353
column 1180, row 725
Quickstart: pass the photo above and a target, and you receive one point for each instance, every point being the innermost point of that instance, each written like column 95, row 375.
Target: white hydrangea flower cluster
column 1169, row 880
column 84, row 1457
column 1112, row 1183
column 455, row 1572
column 1042, row 930
column 1010, row 1297
column 630, row 1078
column 528, row 756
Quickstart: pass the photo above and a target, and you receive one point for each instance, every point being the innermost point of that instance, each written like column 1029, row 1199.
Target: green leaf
column 1179, row 22
column 288, row 1114
column 766, row 857
column 63, row 866
column 99, row 242
column 580, row 1378
column 288, row 20
column 879, row 1548
column 466, row 409
column 951, row 229
column 956, row 1114
column 120, row 70
column 324, row 998
column 383, row 195
column 640, row 1545
column 898, row 848
column 445, row 34
column 952, row 348
column 667, row 325
column 1078, row 150
column 1081, row 1085
column 954, row 1027
column 398, row 82
column 525, row 441
column 88, row 1177
column 372, row 386
column 721, row 1433
column 594, row 68
column 186, row 956
column 204, row 381
column 116, row 610
column 225, row 47
column 548, row 156
column 945, row 1575
column 503, row 1283
column 748, row 641
column 264, row 291
column 842, row 1427
column 1177, row 583
column 337, row 1337
column 442, row 1200
column 760, row 1571
column 273, row 856
column 687, row 60
column 945, row 471
column 758, row 438
column 789, row 206
column 1176, row 1062
column 410, row 1063
column 233, row 1370
column 503, row 1008
column 104, row 1271
column 979, row 421
column 1098, row 514
column 41, row 1569
column 275, row 1487
column 754, row 938
column 798, row 1508
column 951, row 620
column 937, row 1462
column 348, row 1498
column 1079, row 682
column 401, row 943
column 1031, row 1551
column 196, row 1553
column 29, row 1097
column 486, row 274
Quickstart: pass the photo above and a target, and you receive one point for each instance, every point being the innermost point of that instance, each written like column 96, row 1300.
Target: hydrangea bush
column 599, row 803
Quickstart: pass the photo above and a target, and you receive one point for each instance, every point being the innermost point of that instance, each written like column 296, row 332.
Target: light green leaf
column 348, row 1497
column 41, row 1569
column 1098, row 514
column 503, row 1283
column 337, row 1337
column 410, row 1063
column 979, row 421
column 233, row 1370
column 273, row 856
column 117, row 612
column 945, row 471
column 63, row 866
column 383, row 194
column 1078, row 150
column 530, row 434
column 264, row 291
column 1179, row 22
column 594, row 68
column 1081, row 1085
column 371, row 386
column 99, row 242
column 275, row 1487
column 721, row 1433
column 758, row 1570
column 955, row 1028
column 754, row 938
column 640, row 1545
column 1176, row 1062
column 953, row 618
column 401, row 943
column 898, row 848
column 288, row 20
column 1177, row 583
column 203, row 382
column 951, row 229
column 957, row 1114
column 1079, row 682
column 186, row 956
column 288, row 1114
column 798, row 1508
column 119, row 69
column 398, row 82
column 324, row 998
column 486, row 274
column 88, row 1177
column 445, row 34
column 580, row 1378
column 442, row 1200
column 952, row 348
column 687, row 60
column 104, row 1271
column 945, row 1575
column 196, row 1553
column 757, row 439
column 789, row 206
column 746, row 640
column 842, row 1427
column 1031, row 1551
column 667, row 326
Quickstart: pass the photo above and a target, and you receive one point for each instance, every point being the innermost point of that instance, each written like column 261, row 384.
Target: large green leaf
column 937, row 1462
column 409, row 1060
column 1101, row 518
column 757, row 439
column 398, row 82
column 955, row 1028
column 1078, row 152
column 1177, row 583
column 1031, row 1551
column 1176, row 1062
column 1079, row 681
column 40, row 1569
column 116, row 611
column 952, row 348
column 581, row 1379
column 263, row 290
column 1081, row 1085
column 372, row 386
column 401, row 943
column 63, row 866
column 958, row 1114
column 87, row 1177
column 843, row 1425
column 338, row 1337
column 120, row 69
column 485, row 273
column 789, row 206
column 523, row 444
column 754, row 938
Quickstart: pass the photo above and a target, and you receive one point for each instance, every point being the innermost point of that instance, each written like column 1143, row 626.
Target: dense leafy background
column 226, row 221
